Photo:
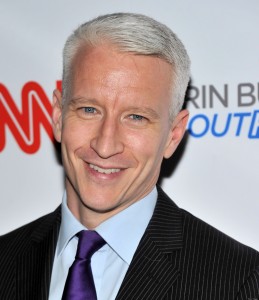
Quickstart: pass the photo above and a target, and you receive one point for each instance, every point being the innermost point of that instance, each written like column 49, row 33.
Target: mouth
column 104, row 171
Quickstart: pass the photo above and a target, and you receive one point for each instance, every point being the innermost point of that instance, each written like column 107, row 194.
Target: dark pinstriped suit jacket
column 179, row 257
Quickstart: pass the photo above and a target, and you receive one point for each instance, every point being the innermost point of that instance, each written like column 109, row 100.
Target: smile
column 103, row 171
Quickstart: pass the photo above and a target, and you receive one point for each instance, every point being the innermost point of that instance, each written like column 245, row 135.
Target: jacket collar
column 155, row 265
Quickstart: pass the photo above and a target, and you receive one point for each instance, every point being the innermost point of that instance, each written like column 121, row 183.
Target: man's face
column 115, row 129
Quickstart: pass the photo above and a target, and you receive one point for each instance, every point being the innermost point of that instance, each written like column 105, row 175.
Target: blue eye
column 89, row 110
column 136, row 117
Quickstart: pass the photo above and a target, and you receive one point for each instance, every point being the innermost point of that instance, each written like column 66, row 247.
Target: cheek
column 147, row 147
column 70, row 143
column 74, row 134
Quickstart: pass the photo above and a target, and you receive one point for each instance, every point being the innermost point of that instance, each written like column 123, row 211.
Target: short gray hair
column 137, row 34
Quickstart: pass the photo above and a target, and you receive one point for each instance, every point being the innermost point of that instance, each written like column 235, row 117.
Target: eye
column 135, row 117
column 89, row 110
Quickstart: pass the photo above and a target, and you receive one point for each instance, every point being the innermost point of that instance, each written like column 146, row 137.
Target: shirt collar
column 69, row 227
column 122, row 232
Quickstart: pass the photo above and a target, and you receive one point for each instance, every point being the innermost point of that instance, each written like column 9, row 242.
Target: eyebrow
column 145, row 110
column 81, row 100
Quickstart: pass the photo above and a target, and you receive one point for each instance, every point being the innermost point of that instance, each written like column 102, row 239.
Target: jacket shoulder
column 26, row 258
column 18, row 239
column 196, row 232
column 207, row 235
column 216, row 257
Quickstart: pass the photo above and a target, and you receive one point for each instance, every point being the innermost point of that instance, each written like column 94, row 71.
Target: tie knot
column 89, row 242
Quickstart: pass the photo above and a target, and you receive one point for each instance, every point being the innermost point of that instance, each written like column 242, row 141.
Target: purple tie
column 80, row 284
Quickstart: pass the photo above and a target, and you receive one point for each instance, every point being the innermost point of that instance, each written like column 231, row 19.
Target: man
column 119, row 115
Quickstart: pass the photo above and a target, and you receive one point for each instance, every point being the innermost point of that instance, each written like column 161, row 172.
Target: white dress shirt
column 122, row 233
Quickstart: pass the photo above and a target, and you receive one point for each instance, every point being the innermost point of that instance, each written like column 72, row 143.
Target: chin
column 100, row 207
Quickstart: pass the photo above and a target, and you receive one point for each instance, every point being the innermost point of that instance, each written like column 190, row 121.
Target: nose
column 107, row 141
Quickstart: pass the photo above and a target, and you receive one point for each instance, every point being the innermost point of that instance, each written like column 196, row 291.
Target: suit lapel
column 155, row 265
column 34, row 264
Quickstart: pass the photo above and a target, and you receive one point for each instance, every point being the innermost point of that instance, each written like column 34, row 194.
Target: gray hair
column 137, row 34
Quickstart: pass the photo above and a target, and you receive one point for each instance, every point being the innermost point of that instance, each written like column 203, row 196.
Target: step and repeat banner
column 215, row 172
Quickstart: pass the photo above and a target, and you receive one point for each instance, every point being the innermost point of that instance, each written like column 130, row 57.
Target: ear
column 57, row 115
column 176, row 133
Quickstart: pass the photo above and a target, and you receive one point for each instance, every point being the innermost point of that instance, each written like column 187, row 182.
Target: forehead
column 122, row 79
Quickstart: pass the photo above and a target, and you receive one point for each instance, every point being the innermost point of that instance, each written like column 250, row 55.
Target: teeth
column 104, row 171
